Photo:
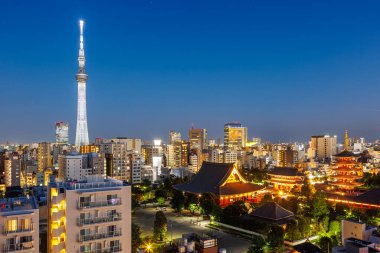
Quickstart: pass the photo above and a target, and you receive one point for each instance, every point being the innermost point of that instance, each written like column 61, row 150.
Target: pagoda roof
column 272, row 211
column 345, row 153
column 212, row 178
column 285, row 171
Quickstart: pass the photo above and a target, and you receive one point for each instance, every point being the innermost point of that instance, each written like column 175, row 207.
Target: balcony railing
column 96, row 236
column 95, row 220
column 19, row 229
column 18, row 246
column 110, row 202
column 106, row 250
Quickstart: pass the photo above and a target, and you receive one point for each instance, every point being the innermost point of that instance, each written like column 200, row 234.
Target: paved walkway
column 177, row 226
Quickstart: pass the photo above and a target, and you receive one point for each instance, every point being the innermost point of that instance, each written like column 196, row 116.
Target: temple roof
column 307, row 247
column 370, row 197
column 346, row 153
column 272, row 211
column 285, row 171
column 212, row 178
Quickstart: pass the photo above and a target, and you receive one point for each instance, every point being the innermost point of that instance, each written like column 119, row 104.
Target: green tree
column 193, row 207
column 266, row 198
column 275, row 237
column 217, row 212
column 304, row 226
column 191, row 199
column 160, row 201
column 307, row 189
column 136, row 237
column 207, row 202
column 292, row 231
column 258, row 245
column 146, row 182
column 160, row 227
column 160, row 193
column 325, row 243
column 178, row 201
column 319, row 206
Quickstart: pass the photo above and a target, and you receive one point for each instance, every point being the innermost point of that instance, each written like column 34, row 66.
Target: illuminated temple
column 286, row 179
column 345, row 171
column 223, row 180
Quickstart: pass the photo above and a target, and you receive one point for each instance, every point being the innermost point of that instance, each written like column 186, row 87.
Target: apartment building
column 19, row 221
column 89, row 216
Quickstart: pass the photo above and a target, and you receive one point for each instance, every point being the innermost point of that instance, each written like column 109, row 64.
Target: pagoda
column 346, row 169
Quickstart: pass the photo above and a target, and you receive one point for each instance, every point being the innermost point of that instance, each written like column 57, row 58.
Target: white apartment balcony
column 97, row 236
column 19, row 247
column 58, row 215
column 19, row 230
column 58, row 231
column 104, row 250
column 96, row 204
column 96, row 220
column 60, row 246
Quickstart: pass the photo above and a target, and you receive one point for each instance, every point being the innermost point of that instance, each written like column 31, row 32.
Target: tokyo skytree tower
column 81, row 137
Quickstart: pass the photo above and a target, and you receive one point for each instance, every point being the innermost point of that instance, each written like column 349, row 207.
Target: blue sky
column 285, row 69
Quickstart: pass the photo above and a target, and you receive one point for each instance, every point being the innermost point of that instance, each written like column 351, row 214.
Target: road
column 177, row 226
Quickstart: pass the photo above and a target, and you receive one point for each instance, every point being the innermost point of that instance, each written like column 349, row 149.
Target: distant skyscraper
column 44, row 156
column 81, row 137
column 235, row 135
column 198, row 138
column 174, row 137
column 62, row 133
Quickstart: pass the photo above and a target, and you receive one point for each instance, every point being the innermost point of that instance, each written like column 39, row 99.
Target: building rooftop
column 346, row 153
column 91, row 182
column 307, row 247
column 17, row 204
column 285, row 171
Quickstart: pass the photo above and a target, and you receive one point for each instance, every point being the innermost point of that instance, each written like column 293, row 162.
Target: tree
column 258, row 245
column 160, row 193
column 307, row 189
column 266, row 198
column 146, row 182
column 136, row 237
column 319, row 206
column 160, row 201
column 193, row 208
column 160, row 226
column 217, row 212
column 304, row 226
column 191, row 198
column 335, row 228
column 275, row 237
column 292, row 231
column 178, row 201
column 207, row 202
column 325, row 243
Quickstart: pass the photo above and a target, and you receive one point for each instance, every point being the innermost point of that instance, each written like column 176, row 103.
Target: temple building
column 271, row 213
column 223, row 180
column 345, row 171
column 286, row 179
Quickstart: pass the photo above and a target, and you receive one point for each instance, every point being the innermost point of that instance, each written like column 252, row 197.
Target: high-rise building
column 198, row 138
column 45, row 159
column 132, row 144
column 174, row 137
column 62, row 133
column 118, row 163
column 81, row 137
column 12, row 170
column 287, row 157
column 235, row 135
column 19, row 219
column 322, row 147
column 90, row 216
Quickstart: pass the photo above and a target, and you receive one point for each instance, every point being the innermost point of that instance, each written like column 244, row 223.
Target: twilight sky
column 286, row 69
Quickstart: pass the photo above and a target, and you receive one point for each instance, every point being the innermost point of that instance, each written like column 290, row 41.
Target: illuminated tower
column 81, row 137
column 346, row 140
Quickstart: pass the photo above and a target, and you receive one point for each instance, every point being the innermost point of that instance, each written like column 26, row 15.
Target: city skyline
column 318, row 77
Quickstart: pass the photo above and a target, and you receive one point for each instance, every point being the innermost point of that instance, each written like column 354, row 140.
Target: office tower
column 12, row 169
column 152, row 150
column 45, row 159
column 117, row 151
column 216, row 156
column 170, row 156
column 62, row 133
column 132, row 144
column 89, row 149
column 185, row 152
column 287, row 157
column 137, row 163
column 198, row 138
column 81, row 137
column 174, row 137
column 235, row 135
column 19, row 218
column 78, row 166
column 230, row 156
column 322, row 147
column 346, row 141
column 89, row 216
